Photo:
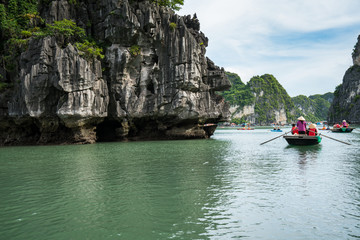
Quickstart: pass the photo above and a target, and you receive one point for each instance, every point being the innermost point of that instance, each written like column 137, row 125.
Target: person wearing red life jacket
column 313, row 130
column 294, row 129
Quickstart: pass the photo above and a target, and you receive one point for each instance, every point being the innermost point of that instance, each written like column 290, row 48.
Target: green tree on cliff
column 173, row 4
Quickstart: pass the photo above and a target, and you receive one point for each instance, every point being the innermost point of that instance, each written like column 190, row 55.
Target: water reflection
column 305, row 153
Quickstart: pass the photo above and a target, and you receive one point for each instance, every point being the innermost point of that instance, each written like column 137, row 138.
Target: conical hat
column 301, row 118
column 344, row 121
column 312, row 126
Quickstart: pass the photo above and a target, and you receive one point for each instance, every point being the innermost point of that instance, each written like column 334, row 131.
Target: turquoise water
column 225, row 187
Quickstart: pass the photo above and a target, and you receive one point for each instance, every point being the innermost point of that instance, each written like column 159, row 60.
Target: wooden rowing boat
column 342, row 130
column 302, row 139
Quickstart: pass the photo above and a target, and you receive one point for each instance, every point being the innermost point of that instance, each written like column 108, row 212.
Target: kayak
column 276, row 130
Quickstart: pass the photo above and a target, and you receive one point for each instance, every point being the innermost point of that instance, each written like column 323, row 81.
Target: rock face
column 314, row 108
column 267, row 102
column 346, row 104
column 155, row 81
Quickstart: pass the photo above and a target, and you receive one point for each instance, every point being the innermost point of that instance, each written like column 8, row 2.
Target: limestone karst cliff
column 346, row 104
column 262, row 101
column 154, row 82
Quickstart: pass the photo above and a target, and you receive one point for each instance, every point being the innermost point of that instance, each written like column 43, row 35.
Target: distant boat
column 276, row 130
column 302, row 140
column 245, row 128
column 342, row 130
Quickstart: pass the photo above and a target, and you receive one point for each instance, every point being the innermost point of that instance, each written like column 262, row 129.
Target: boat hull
column 342, row 130
column 303, row 140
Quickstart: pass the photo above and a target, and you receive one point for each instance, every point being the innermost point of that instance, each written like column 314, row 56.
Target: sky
column 305, row 44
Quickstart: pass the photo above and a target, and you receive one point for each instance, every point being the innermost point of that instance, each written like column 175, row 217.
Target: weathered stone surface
column 346, row 104
column 155, row 80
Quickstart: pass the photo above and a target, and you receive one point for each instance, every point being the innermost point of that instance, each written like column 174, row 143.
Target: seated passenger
column 312, row 130
column 301, row 125
column 345, row 124
column 294, row 130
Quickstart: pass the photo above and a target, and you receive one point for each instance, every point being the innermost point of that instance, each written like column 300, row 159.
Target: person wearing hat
column 312, row 130
column 301, row 125
column 345, row 124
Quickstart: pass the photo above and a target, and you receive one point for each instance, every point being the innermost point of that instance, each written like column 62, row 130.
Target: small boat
column 342, row 130
column 276, row 130
column 245, row 129
column 302, row 140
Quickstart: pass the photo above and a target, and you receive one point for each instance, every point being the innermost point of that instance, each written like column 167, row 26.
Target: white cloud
column 305, row 44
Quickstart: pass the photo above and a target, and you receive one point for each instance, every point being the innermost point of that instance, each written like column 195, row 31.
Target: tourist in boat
column 301, row 125
column 294, row 129
column 345, row 124
column 312, row 130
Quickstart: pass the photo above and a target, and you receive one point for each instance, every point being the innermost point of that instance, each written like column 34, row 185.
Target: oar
column 336, row 139
column 274, row 138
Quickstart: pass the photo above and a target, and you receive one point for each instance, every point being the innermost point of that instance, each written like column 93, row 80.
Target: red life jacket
column 294, row 130
column 312, row 131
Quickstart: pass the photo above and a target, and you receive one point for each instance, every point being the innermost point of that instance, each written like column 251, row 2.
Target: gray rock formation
column 346, row 104
column 155, row 81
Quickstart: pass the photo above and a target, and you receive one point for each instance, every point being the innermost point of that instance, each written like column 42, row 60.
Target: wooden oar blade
column 274, row 138
column 336, row 139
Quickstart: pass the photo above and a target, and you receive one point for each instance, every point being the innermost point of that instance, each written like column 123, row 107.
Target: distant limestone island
column 263, row 101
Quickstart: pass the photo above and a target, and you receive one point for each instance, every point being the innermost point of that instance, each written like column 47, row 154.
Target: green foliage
column 65, row 28
column 135, row 50
column 314, row 108
column 356, row 98
column 172, row 26
column 270, row 97
column 19, row 21
column 3, row 86
column 68, row 30
column 25, row 34
column 238, row 121
column 173, row 4
column 337, row 90
column 89, row 50
column 16, row 22
column 239, row 93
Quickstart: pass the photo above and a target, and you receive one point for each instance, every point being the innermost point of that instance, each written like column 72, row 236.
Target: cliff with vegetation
column 81, row 71
column 314, row 108
column 346, row 104
column 264, row 101
column 261, row 101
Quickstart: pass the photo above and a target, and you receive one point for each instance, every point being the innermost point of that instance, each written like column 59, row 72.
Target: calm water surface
column 227, row 187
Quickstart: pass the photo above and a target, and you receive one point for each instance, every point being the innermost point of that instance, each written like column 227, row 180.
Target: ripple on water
column 222, row 188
